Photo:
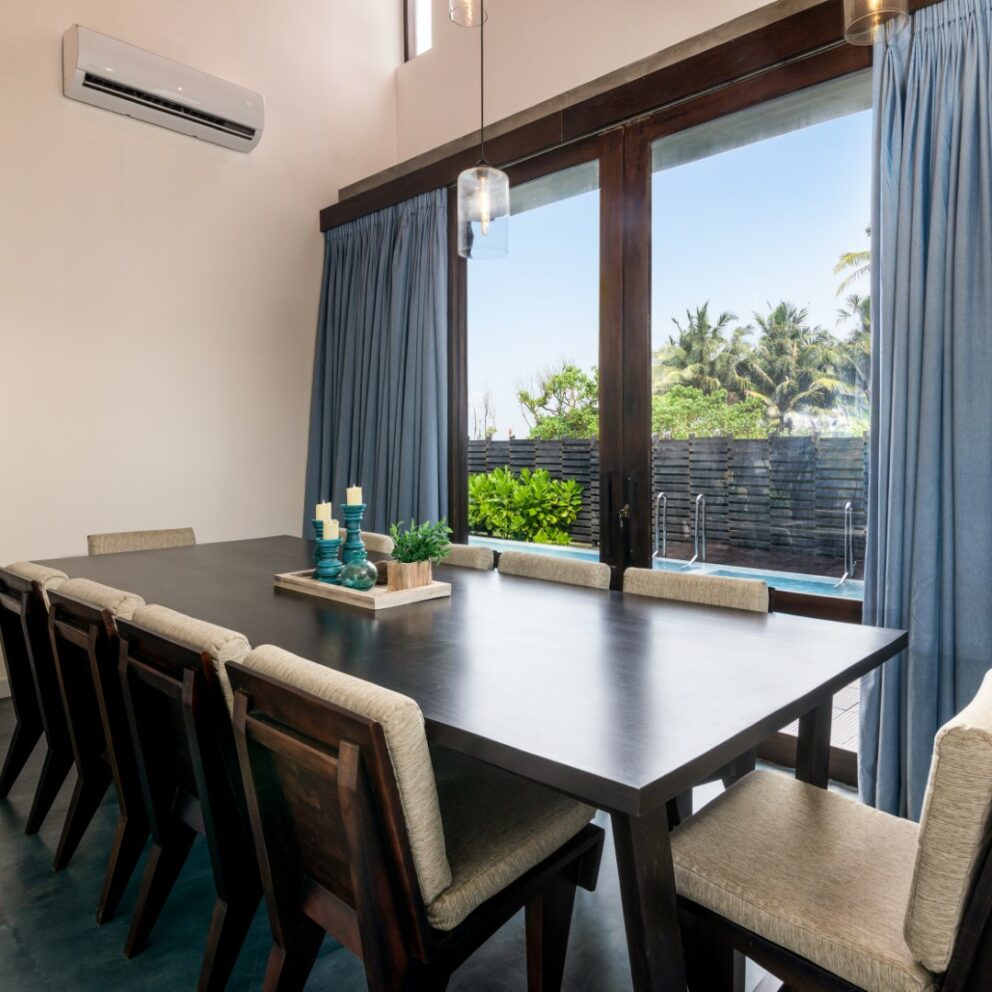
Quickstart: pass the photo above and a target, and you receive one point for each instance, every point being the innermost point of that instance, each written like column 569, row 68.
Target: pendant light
column 483, row 192
column 865, row 21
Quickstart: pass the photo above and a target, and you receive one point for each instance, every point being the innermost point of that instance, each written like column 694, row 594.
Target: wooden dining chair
column 83, row 626
column 177, row 699
column 381, row 543
column 554, row 568
column 470, row 556
column 829, row 894
column 410, row 863
column 24, row 590
column 140, row 540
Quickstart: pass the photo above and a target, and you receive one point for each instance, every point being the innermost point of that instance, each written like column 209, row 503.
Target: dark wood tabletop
column 622, row 701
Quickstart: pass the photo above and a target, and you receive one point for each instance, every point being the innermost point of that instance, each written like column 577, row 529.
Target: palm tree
column 703, row 355
column 853, row 265
column 856, row 349
column 793, row 365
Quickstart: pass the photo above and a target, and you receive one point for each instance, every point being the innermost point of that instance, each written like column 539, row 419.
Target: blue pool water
column 812, row 585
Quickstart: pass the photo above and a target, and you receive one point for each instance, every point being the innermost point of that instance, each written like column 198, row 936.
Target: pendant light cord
column 482, row 81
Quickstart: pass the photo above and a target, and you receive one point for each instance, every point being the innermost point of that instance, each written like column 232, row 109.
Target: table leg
column 813, row 747
column 650, row 906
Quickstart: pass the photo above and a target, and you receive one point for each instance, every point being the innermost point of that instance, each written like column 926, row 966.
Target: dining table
column 621, row 701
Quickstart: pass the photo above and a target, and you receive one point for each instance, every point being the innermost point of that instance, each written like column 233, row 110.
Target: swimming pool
column 812, row 585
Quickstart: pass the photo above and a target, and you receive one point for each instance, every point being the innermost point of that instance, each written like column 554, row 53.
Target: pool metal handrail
column 699, row 518
column 849, row 563
column 660, row 527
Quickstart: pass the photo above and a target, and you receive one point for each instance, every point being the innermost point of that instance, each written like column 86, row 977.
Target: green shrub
column 529, row 507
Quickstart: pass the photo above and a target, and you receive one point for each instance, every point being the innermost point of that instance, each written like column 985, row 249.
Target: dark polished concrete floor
column 50, row 942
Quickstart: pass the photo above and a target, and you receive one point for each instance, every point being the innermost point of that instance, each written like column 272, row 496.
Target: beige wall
column 536, row 50
column 158, row 294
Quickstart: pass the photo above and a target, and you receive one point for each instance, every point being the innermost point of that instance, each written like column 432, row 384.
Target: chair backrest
column 554, row 568
column 381, row 543
column 82, row 624
column 24, row 591
column 707, row 590
column 953, row 861
column 470, row 556
column 140, row 540
column 341, row 790
column 178, row 719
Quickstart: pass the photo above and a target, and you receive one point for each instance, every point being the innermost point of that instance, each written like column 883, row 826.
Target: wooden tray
column 374, row 599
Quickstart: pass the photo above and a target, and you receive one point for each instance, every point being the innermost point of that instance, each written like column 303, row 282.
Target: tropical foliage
column 530, row 506
column 564, row 403
column 684, row 411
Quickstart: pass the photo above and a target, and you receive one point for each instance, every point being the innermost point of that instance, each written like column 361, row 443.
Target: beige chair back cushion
column 708, row 590
column 470, row 556
column 381, row 543
column 47, row 578
column 117, row 602
column 140, row 540
column 553, row 568
column 403, row 727
column 954, row 831
column 221, row 644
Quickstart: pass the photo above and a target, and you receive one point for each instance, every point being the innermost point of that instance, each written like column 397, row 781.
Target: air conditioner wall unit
column 116, row 76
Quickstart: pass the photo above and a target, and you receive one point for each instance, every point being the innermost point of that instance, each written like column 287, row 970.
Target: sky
column 742, row 229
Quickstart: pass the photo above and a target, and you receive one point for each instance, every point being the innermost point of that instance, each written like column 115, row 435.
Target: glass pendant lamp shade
column 483, row 212
column 866, row 20
column 467, row 13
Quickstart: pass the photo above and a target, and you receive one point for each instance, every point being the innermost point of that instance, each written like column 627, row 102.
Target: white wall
column 536, row 50
column 158, row 295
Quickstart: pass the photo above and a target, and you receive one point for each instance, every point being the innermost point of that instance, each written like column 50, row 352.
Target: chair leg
column 164, row 864
column 742, row 766
column 711, row 962
column 129, row 842
column 22, row 743
column 549, row 919
column 290, row 966
column 228, row 929
column 58, row 761
column 86, row 798
column 679, row 809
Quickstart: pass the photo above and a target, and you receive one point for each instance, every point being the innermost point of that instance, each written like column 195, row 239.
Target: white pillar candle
column 325, row 514
column 332, row 531
column 353, row 495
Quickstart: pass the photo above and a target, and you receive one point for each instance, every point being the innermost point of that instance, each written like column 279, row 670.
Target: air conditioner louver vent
column 132, row 95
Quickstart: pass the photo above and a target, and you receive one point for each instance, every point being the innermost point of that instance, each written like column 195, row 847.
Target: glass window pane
column 533, row 352
column 760, row 339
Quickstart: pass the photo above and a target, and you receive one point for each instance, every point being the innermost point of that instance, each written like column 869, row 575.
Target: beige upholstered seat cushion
column 381, row 543
column 954, row 830
column 140, row 540
column 116, row 601
column 552, row 568
column 497, row 827
column 47, row 578
column 709, row 590
column 815, row 872
column 403, row 726
column 469, row 556
column 221, row 644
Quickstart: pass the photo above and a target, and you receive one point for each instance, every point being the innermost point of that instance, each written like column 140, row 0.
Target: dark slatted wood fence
column 781, row 494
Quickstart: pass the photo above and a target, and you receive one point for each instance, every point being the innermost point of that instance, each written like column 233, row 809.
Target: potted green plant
column 416, row 548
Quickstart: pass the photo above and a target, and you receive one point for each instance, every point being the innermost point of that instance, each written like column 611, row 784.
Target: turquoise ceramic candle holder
column 358, row 571
column 318, row 529
column 354, row 547
column 329, row 565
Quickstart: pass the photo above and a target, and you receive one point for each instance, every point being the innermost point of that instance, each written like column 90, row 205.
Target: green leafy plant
column 685, row 411
column 420, row 542
column 530, row 506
